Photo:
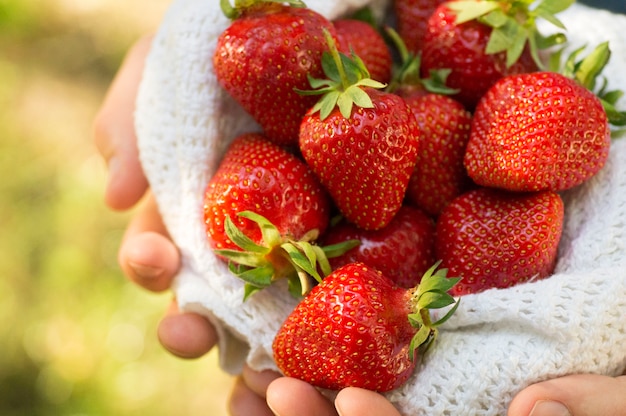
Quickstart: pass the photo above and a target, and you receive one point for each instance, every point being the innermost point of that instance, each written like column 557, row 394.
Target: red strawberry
column 439, row 174
column 412, row 20
column 537, row 131
column 496, row 239
column 258, row 176
column 267, row 53
column 482, row 41
column 357, row 329
column 361, row 142
column 403, row 250
column 366, row 42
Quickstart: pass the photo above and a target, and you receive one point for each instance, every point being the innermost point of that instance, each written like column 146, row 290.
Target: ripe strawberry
column 366, row 42
column 403, row 250
column 288, row 203
column 496, row 239
column 360, row 141
column 264, row 55
column 357, row 329
column 482, row 41
column 439, row 174
column 412, row 20
column 541, row 131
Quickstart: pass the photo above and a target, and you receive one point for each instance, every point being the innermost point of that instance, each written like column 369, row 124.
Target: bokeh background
column 76, row 338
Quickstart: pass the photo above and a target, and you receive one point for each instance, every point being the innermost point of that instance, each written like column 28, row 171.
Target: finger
column 353, row 401
column 186, row 335
column 258, row 381
column 577, row 395
column 114, row 131
column 244, row 402
column 291, row 397
column 147, row 255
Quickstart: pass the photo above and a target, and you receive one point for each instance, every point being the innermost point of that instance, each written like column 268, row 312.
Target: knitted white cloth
column 497, row 343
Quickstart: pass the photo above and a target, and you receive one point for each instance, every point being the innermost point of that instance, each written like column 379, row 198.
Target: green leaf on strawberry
column 587, row 72
column 514, row 24
column 259, row 265
column 431, row 293
column 408, row 75
column 343, row 87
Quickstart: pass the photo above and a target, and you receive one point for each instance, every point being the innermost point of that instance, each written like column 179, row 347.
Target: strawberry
column 439, row 174
column 357, row 329
column 412, row 20
column 366, row 42
column 496, row 239
column 360, row 141
column 541, row 131
column 264, row 55
column 403, row 250
column 481, row 41
column 260, row 198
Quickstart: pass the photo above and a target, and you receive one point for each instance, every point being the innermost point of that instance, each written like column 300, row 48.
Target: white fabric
column 497, row 343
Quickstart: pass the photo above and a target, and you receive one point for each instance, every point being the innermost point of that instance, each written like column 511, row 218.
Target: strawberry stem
column 277, row 257
column 344, row 87
column 334, row 52
column 408, row 74
column 431, row 293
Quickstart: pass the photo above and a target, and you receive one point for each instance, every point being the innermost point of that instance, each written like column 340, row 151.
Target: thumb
column 576, row 395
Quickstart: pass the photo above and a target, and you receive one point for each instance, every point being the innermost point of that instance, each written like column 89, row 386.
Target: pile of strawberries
column 391, row 158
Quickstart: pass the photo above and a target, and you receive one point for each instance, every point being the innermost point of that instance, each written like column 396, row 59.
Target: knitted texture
column 497, row 343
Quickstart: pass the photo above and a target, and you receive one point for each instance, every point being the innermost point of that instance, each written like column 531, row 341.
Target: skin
column 149, row 258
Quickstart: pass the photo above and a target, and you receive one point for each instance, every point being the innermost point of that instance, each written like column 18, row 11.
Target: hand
column 577, row 395
column 291, row 397
column 147, row 255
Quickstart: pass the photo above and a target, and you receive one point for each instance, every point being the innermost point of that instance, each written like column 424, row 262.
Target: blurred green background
column 76, row 338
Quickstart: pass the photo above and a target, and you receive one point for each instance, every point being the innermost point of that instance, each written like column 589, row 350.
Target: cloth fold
column 497, row 343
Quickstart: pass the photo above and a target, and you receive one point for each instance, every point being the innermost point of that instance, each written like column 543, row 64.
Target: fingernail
column 549, row 408
column 146, row 272
column 272, row 410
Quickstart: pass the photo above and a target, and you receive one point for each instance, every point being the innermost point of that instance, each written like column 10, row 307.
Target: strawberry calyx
column 234, row 11
column 278, row 257
column 514, row 24
column 587, row 72
column 431, row 293
column 407, row 76
column 343, row 88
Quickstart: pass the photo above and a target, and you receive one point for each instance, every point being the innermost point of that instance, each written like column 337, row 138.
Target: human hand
column 576, row 395
column 147, row 255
